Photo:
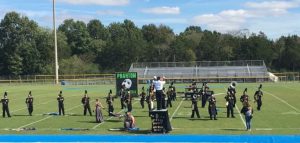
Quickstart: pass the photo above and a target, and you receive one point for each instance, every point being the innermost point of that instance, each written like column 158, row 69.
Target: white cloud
column 162, row 10
column 97, row 2
column 224, row 21
column 163, row 21
column 273, row 8
column 63, row 15
column 229, row 20
column 283, row 5
column 110, row 12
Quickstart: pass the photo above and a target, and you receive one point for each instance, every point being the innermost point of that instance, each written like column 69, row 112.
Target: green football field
column 280, row 112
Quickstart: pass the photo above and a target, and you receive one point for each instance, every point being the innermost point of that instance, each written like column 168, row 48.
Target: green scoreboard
column 129, row 80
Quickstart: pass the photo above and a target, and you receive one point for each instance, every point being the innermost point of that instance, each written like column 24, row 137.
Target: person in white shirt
column 158, row 86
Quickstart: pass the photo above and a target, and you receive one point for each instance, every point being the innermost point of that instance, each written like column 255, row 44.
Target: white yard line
column 180, row 105
column 238, row 110
column 176, row 109
column 109, row 118
column 34, row 122
column 39, row 104
column 34, row 106
column 219, row 94
column 47, row 117
column 283, row 101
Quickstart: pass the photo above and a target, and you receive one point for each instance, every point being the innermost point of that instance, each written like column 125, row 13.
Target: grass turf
column 280, row 112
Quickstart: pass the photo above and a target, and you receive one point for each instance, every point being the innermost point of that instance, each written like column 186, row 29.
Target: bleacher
column 202, row 70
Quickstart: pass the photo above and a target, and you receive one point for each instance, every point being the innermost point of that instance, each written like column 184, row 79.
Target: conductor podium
column 160, row 121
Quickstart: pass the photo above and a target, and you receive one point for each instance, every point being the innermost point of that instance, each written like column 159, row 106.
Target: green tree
column 77, row 35
column 158, row 40
column 288, row 54
column 124, row 47
column 19, row 54
column 97, row 30
column 74, row 65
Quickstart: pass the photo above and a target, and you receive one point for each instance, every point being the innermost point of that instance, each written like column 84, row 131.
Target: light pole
column 55, row 45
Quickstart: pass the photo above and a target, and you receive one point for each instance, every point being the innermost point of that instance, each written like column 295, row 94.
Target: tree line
column 28, row 49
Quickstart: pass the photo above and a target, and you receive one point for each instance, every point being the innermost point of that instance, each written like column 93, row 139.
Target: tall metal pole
column 55, row 45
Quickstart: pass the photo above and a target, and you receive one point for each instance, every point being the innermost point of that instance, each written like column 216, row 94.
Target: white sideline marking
column 283, row 101
column 109, row 118
column 176, row 109
column 241, row 129
column 47, row 117
column 237, row 108
column 264, row 129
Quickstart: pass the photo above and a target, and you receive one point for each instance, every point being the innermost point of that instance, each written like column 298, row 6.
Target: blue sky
column 273, row 17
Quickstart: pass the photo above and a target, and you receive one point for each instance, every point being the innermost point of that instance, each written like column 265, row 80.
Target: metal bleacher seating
column 202, row 69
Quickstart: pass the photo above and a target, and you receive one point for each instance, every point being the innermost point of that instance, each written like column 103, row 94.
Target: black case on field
column 160, row 121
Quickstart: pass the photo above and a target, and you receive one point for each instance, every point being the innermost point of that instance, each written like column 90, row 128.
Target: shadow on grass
column 19, row 115
column 187, row 107
column 216, row 116
column 189, row 118
column 141, row 116
column 130, row 132
column 181, row 117
column 78, row 115
column 233, row 129
column 140, row 132
column 114, row 121
column 201, row 119
column 87, row 122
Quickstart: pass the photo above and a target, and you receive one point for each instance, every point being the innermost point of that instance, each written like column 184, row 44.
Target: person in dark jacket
column 173, row 91
column 232, row 90
column 143, row 97
column 5, row 108
column 230, row 103
column 169, row 97
column 195, row 106
column 109, row 101
column 29, row 103
column 244, row 98
column 258, row 97
column 122, row 95
column 128, row 101
column 86, row 103
column 212, row 107
column 60, row 100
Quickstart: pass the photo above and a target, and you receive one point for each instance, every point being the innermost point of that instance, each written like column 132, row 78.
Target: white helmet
column 154, row 77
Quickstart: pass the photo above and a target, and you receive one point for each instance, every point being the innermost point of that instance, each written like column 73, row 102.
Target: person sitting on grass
column 129, row 121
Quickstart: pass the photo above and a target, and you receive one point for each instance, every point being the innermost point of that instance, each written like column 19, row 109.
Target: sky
column 273, row 17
